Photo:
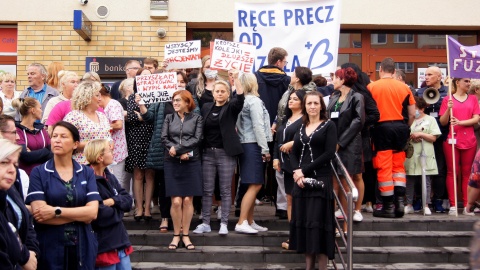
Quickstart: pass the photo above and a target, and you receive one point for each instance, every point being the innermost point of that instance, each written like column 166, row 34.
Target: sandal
column 286, row 244
column 164, row 225
column 173, row 246
column 188, row 246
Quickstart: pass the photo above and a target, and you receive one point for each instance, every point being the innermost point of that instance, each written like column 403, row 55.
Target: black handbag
column 312, row 183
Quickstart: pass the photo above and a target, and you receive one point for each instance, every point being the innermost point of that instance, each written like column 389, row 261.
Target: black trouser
column 439, row 181
column 370, row 182
column 165, row 202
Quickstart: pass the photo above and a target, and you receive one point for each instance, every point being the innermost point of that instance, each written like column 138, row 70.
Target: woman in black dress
column 138, row 141
column 181, row 136
column 284, row 143
column 312, row 228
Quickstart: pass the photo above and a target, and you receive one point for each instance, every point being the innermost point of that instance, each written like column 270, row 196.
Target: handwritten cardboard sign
column 183, row 55
column 228, row 55
column 157, row 87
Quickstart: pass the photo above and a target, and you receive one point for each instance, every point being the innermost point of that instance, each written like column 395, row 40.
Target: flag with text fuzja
column 464, row 61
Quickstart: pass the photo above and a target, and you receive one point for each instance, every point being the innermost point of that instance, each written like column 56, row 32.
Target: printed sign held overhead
column 183, row 55
column 308, row 30
column 157, row 87
column 228, row 55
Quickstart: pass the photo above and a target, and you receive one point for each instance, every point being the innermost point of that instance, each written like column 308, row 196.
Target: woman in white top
column 8, row 93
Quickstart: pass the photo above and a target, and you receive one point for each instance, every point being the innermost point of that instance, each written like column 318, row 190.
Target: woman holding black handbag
column 312, row 225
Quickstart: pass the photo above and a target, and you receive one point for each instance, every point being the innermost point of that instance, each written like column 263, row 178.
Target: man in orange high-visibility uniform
column 397, row 111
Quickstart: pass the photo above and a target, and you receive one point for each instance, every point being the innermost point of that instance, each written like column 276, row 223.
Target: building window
column 379, row 38
column 407, row 67
column 403, row 38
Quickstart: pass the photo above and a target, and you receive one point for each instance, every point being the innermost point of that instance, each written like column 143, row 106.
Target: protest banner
column 463, row 61
column 157, row 87
column 183, row 55
column 309, row 31
column 228, row 55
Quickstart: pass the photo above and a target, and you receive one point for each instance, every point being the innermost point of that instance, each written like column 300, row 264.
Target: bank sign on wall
column 309, row 31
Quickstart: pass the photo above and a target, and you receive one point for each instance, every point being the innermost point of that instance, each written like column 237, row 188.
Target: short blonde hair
column 82, row 97
column 224, row 83
column 7, row 76
column 249, row 84
column 94, row 149
column 91, row 75
column 8, row 148
column 123, row 86
column 64, row 76
column 474, row 85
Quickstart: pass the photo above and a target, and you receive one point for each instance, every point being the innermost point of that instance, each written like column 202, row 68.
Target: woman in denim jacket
column 254, row 132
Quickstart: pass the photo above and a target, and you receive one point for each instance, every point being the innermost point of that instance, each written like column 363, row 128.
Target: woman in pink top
column 465, row 114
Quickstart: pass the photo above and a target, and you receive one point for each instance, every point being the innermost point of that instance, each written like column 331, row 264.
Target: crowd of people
column 77, row 156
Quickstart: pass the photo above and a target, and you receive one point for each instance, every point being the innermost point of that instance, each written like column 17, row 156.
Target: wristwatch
column 58, row 211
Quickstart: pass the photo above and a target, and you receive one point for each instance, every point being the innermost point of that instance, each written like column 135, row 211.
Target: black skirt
column 312, row 228
column 183, row 179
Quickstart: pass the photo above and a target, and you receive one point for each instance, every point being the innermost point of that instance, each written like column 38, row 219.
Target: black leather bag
column 312, row 183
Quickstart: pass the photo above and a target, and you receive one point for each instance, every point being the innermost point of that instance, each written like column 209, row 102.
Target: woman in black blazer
column 347, row 110
column 221, row 146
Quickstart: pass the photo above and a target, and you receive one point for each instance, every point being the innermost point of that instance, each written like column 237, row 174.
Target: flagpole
column 452, row 131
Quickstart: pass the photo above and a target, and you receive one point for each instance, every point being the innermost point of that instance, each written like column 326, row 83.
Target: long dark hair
column 301, row 95
column 323, row 108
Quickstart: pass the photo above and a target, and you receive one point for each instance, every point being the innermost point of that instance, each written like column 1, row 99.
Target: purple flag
column 464, row 61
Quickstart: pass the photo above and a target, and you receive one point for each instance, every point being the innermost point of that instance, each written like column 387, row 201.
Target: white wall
column 365, row 13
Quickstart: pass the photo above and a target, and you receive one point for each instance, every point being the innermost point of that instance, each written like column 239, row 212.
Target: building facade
column 411, row 31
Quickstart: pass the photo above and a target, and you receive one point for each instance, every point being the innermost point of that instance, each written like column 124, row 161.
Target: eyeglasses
column 9, row 132
column 136, row 68
column 177, row 100
column 286, row 62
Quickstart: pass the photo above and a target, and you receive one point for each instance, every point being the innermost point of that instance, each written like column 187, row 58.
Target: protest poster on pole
column 463, row 61
column 229, row 55
column 308, row 30
column 157, row 87
column 182, row 55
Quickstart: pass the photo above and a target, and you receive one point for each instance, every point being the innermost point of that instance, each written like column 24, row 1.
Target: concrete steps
column 413, row 242
column 292, row 266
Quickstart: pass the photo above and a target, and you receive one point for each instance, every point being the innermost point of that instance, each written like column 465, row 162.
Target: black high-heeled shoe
column 138, row 218
column 173, row 246
column 189, row 246
column 147, row 218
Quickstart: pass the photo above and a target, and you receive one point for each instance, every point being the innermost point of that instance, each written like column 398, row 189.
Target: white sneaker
column 369, row 208
column 258, row 202
column 427, row 211
column 452, row 211
column 408, row 209
column 223, row 229
column 338, row 214
column 202, row 228
column 245, row 228
column 257, row 227
column 219, row 213
column 468, row 213
column 357, row 216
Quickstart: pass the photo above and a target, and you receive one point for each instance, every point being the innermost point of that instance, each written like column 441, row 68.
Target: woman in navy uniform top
column 64, row 199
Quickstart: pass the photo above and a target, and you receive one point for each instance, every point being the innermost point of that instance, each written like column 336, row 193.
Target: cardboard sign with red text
column 229, row 55
column 157, row 87
column 183, row 55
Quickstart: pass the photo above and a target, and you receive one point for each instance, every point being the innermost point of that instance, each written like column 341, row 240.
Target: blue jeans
column 124, row 263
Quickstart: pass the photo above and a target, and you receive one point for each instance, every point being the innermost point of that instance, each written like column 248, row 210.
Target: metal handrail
column 352, row 196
